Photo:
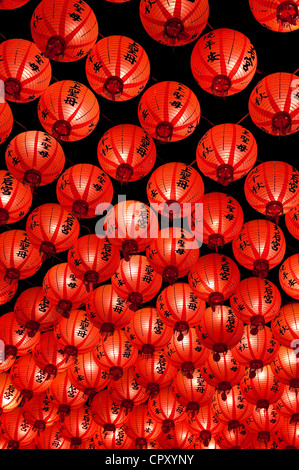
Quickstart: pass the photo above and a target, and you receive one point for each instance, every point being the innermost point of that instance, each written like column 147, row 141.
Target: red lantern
column 126, row 152
column 136, row 281
column 12, row 4
column 15, row 198
column 87, row 376
column 35, row 158
column 19, row 259
column 214, row 278
column 16, row 337
column 226, row 153
column 78, row 426
column 117, row 68
column 141, row 427
column 6, row 120
column 286, row 367
column 291, row 221
column 289, row 432
column 205, row 424
column 51, row 438
column 169, row 111
column 187, row 354
column 178, row 438
column 256, row 302
column 180, row 308
column 264, row 422
column 68, row 110
column 66, row 36
column 289, row 276
column 234, row 410
column 173, row 253
column 277, row 15
column 34, row 311
column 112, row 440
column 263, row 389
column 63, row 288
column 273, row 104
column 41, row 411
column 131, row 226
column 65, row 395
column 288, row 405
column 198, row 444
column 7, row 291
column 51, row 229
column 223, row 62
column 93, row 259
column 269, row 189
column 25, row 73
column 171, row 186
column 260, row 246
column 107, row 311
column 127, row 391
column 107, row 413
column 16, row 429
column 219, row 330
column 256, row 351
column 9, row 395
column 285, row 326
column 276, row 441
column 115, row 354
column 166, row 410
column 238, row 438
column 81, row 188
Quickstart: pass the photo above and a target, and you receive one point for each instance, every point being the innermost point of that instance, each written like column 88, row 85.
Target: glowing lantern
column 10, row 396
column 277, row 15
column 166, row 410
column 264, row 422
column 178, row 438
column 15, row 198
column 286, row 367
column 51, row 438
column 78, row 426
column 7, row 291
column 234, row 410
column 285, row 325
column 289, row 432
column 41, row 411
column 289, row 276
column 141, row 427
column 16, row 429
column 112, row 440
column 238, row 438
column 291, row 221
column 12, row 4
column 16, row 338
column 6, row 120
column 205, row 424
column 65, row 395
column 127, row 391
column 106, row 412
column 288, row 405
column 263, row 389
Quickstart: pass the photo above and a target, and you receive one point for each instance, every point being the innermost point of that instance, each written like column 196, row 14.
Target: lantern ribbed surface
column 166, row 410
column 289, row 276
column 28, row 377
column 6, row 121
column 285, row 325
column 106, row 412
column 16, row 429
column 234, row 410
column 16, row 338
column 65, row 395
column 205, row 424
column 178, row 438
column 128, row 391
column 277, row 15
column 49, row 356
column 41, row 411
column 15, row 198
column 112, row 440
column 79, row 426
column 12, row 4
column 87, row 376
column 169, row 111
column 238, row 438
column 51, row 438
column 141, row 427
column 7, row 291
column 10, row 396
column 264, row 422
column 154, row 373
column 292, row 222
column 263, row 389
column 192, row 393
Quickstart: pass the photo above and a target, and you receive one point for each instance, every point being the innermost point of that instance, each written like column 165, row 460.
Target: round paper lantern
column 87, row 376
column 51, row 438
column 264, row 422
column 141, row 427
column 126, row 152
column 49, row 356
column 112, row 440
column 214, row 278
column 16, row 429
column 115, row 354
column 226, row 153
column 16, row 338
column 234, row 410
column 7, row 291
column 147, row 332
column 169, row 111
column 34, row 311
column 178, row 438
column 289, row 276
column 219, row 330
column 19, row 259
column 65, row 395
column 271, row 188
column 12, row 4
column 223, row 62
column 107, row 311
column 25, row 71
column 260, row 246
column 41, row 411
column 69, row 34
column 15, row 198
column 136, row 281
column 276, row 441
column 198, row 444
column 68, row 110
column 288, row 405
column 131, row 226
column 81, row 188
column 35, row 158
column 205, row 424
column 166, row 410
column 117, row 68
column 6, row 120
column 273, row 104
column 78, row 426
column 289, row 432
column 263, row 389
column 180, row 308
column 107, row 413
column 291, row 221
column 238, row 438
column 277, row 15
column 256, row 351
column 285, row 325
column 187, row 354
column 128, row 391
column 63, row 288
column 10, row 396
column 93, row 259
column 285, row 367
column 171, row 186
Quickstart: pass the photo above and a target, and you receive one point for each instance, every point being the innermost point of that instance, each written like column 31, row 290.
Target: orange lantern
column 171, row 186
column 51, row 438
column 68, row 35
column 234, row 410
column 16, row 429
column 19, row 259
column 178, row 438
column 289, row 276
column 34, row 311
column 273, row 104
column 238, row 438
column 277, row 15
column 16, row 338
column 41, row 411
column 260, row 246
column 169, row 111
column 112, row 440
column 15, row 198
column 223, row 62
column 166, row 410
column 81, row 188
column 68, row 110
column 263, row 389
column 271, row 188
column 128, row 391
column 6, row 119
column 131, row 226
column 214, row 278
column 256, row 302
column 105, row 412
column 7, row 291
column 141, row 427
column 63, row 288
column 117, row 68
column 9, row 395
column 291, row 221
column 147, row 332
column 276, row 441
column 288, row 405
column 12, row 4
column 285, row 326
column 26, row 73
column 35, row 158
column 78, row 426
column 126, row 152
column 205, row 424
column 226, row 153
column 93, row 259
column 180, row 308
column 219, row 330
column 107, row 311
column 65, row 395
column 136, row 281
column 289, row 432
column 285, row 367
column 264, row 422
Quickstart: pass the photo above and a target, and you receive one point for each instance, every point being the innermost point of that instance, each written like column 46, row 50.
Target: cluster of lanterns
column 212, row 362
